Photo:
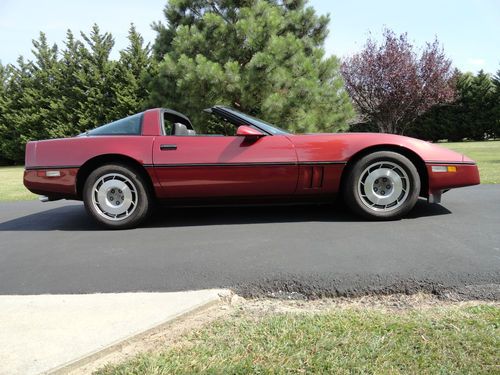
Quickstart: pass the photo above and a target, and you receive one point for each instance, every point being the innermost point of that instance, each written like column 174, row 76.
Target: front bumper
column 445, row 176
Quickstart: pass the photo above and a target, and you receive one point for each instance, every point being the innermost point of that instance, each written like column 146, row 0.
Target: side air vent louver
column 313, row 177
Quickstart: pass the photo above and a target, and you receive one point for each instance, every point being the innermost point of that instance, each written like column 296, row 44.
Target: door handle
column 168, row 147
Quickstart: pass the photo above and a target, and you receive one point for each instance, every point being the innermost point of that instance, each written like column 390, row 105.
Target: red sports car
column 121, row 169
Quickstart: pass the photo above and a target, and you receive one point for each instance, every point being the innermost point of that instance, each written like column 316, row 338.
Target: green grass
column 11, row 185
column 444, row 340
column 486, row 154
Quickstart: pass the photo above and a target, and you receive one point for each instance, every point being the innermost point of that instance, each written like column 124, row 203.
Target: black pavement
column 294, row 251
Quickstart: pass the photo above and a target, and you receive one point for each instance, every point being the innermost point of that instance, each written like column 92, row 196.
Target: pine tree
column 263, row 57
column 31, row 100
column 473, row 115
column 13, row 138
column 484, row 105
column 63, row 93
column 3, row 110
column 132, row 72
column 476, row 105
column 496, row 127
column 34, row 103
column 95, row 79
column 71, row 87
column 42, row 98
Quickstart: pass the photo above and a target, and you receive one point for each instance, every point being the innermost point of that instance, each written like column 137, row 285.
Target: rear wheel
column 116, row 196
column 383, row 185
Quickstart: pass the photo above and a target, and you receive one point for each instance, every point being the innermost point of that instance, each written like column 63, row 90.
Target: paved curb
column 46, row 334
column 91, row 357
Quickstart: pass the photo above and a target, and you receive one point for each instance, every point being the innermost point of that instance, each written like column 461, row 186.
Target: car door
column 225, row 166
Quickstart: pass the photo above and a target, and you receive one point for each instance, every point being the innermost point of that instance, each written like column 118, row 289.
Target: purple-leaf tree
column 391, row 84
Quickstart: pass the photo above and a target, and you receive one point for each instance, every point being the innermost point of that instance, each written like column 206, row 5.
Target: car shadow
column 74, row 217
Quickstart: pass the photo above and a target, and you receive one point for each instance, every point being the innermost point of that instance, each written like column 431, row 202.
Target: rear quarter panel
column 74, row 152
column 67, row 155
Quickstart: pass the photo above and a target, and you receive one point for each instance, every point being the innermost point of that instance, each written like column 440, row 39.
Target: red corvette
column 120, row 169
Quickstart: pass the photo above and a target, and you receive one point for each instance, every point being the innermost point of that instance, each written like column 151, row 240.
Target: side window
column 217, row 126
column 169, row 121
column 168, row 125
column 213, row 125
column 128, row 126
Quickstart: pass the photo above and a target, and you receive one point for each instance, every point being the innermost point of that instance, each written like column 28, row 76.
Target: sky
column 469, row 30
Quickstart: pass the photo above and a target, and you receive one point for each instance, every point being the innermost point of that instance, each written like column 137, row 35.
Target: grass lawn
column 456, row 339
column 11, row 185
column 486, row 154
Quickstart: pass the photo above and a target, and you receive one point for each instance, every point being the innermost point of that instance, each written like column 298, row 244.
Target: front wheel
column 116, row 196
column 383, row 185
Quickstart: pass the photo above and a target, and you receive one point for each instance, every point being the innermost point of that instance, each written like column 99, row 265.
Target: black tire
column 135, row 199
column 365, row 193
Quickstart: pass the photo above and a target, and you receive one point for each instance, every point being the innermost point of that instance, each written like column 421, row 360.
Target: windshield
column 127, row 126
column 271, row 129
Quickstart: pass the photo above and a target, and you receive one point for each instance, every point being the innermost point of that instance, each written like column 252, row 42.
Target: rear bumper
column 59, row 182
column 461, row 174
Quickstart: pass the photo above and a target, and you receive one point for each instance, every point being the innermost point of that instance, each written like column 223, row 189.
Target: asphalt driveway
column 453, row 248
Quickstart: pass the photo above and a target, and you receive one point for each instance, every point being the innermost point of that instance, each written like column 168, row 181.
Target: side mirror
column 247, row 131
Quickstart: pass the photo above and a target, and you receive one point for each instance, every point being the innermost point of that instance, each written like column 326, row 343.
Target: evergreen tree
column 19, row 78
column 72, row 91
column 3, row 109
column 477, row 105
column 263, row 57
column 132, row 72
column 34, row 107
column 43, row 109
column 473, row 115
column 64, row 93
column 95, row 78
column 3, row 79
column 496, row 127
